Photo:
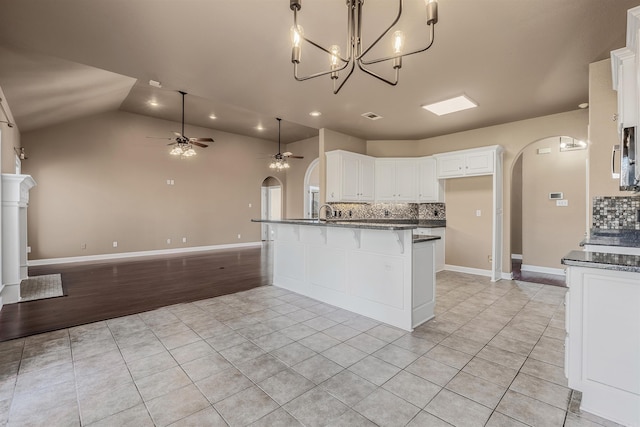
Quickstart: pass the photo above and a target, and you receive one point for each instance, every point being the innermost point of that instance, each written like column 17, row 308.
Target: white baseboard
column 476, row 271
column 544, row 270
column 516, row 256
column 123, row 255
column 468, row 270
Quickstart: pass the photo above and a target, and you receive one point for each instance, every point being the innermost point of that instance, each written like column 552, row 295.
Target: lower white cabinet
column 603, row 342
column 439, row 244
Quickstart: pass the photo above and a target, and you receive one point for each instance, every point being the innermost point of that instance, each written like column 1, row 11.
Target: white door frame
column 306, row 188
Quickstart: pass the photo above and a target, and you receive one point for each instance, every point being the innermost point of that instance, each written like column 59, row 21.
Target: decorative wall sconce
column 20, row 153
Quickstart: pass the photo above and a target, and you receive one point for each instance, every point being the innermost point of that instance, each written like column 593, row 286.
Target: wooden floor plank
column 107, row 289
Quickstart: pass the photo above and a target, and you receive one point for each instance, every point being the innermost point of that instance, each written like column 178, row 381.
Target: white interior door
column 271, row 208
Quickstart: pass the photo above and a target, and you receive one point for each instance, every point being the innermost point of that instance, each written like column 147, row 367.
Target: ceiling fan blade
column 172, row 143
column 296, row 157
column 176, row 133
column 198, row 144
column 201, row 139
column 287, row 153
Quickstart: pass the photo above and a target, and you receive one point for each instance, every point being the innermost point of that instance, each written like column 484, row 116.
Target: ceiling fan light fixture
column 176, row 151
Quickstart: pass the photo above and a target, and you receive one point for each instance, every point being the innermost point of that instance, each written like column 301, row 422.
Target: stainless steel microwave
column 629, row 174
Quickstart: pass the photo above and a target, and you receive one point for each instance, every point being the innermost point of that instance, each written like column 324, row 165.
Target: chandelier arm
column 311, row 42
column 389, row 58
column 379, row 77
column 384, row 33
column 335, row 91
column 322, row 73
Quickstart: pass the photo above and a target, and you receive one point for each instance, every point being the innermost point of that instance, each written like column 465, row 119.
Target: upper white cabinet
column 350, row 177
column 624, row 73
column 480, row 161
column 396, row 180
column 429, row 186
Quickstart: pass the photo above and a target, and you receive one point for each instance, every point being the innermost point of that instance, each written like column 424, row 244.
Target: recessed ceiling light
column 153, row 103
column 315, row 113
column 212, row 116
column 155, row 83
column 451, row 105
column 259, row 127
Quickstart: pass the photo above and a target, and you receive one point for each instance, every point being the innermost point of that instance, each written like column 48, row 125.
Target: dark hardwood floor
column 533, row 277
column 108, row 289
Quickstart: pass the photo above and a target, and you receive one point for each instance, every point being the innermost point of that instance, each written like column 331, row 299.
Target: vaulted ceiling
column 518, row 59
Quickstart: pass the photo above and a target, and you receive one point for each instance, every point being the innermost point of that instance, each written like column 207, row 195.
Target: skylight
column 451, row 105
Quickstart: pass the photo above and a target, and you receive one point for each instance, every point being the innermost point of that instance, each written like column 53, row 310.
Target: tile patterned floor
column 268, row 357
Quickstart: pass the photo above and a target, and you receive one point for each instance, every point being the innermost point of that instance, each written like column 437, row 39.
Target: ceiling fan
column 279, row 161
column 184, row 144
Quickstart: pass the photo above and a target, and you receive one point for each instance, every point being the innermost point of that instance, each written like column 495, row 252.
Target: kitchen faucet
column 330, row 210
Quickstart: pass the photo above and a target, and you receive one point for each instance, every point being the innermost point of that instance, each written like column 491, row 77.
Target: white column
column 15, row 198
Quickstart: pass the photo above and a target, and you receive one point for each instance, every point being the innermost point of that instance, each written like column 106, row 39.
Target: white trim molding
column 544, row 270
column 123, row 255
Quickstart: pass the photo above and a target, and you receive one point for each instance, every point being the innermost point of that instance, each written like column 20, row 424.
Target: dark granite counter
column 625, row 238
column 374, row 224
column 420, row 239
column 603, row 260
column 344, row 224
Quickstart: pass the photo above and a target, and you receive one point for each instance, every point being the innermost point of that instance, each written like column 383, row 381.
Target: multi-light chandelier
column 355, row 51
column 183, row 149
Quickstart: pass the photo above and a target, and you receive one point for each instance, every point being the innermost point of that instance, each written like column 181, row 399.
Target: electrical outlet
column 28, row 249
column 563, row 202
column 249, row 204
column 478, row 212
column 489, row 259
column 239, row 236
column 184, row 240
column 168, row 241
column 83, row 246
column 115, row 244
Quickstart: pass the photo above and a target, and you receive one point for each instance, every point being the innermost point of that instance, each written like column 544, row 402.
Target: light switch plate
column 562, row 202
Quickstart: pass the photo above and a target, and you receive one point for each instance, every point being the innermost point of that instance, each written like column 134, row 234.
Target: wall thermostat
column 556, row 196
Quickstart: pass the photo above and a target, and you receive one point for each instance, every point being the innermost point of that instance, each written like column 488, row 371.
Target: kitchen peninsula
column 375, row 269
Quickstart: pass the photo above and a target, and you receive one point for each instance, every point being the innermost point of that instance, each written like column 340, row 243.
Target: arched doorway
column 312, row 190
column 549, row 207
column 271, row 203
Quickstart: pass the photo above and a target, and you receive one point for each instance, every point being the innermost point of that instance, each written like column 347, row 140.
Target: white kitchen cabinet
column 625, row 63
column 466, row 163
column 439, row 244
column 350, row 177
column 396, row 180
column 429, row 186
column 603, row 342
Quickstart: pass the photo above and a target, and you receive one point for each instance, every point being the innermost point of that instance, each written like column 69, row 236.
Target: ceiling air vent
column 372, row 116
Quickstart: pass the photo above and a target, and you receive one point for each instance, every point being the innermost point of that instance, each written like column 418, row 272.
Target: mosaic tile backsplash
column 391, row 210
column 616, row 213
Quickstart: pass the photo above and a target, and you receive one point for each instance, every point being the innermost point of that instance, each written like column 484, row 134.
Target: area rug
column 41, row 287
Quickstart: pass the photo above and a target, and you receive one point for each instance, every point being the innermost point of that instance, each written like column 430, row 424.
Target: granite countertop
column 600, row 237
column 373, row 224
column 603, row 260
column 420, row 239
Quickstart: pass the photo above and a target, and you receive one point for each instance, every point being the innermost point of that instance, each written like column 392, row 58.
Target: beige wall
column 548, row 231
column 516, row 207
column 468, row 237
column 101, row 180
column 331, row 140
column 295, row 175
column 512, row 136
column 10, row 139
column 603, row 133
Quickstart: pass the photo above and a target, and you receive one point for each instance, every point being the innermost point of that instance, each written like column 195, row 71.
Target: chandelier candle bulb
column 296, row 41
column 432, row 11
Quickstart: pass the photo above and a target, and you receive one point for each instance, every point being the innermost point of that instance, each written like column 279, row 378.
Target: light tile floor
column 268, row 357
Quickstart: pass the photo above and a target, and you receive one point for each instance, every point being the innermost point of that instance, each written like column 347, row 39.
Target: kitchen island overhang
column 376, row 270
